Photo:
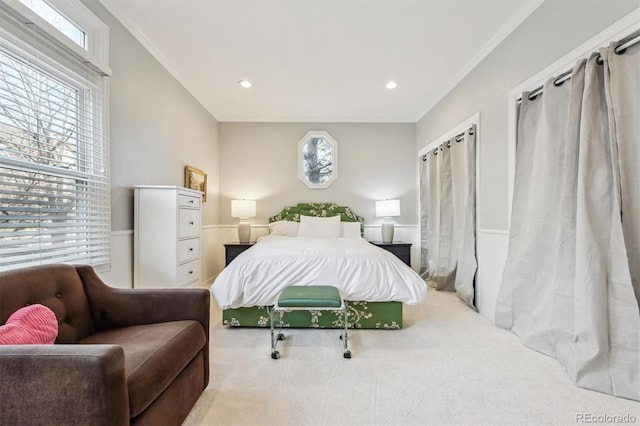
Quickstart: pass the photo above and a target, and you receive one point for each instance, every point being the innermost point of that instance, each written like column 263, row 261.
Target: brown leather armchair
column 121, row 356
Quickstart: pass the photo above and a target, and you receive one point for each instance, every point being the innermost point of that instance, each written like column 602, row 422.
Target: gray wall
column 156, row 126
column 554, row 29
column 376, row 161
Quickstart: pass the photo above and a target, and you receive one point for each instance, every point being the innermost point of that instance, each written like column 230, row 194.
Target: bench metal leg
column 344, row 334
column 274, row 353
column 345, row 340
column 274, row 339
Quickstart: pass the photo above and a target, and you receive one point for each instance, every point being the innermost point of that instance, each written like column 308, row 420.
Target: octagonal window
column 317, row 159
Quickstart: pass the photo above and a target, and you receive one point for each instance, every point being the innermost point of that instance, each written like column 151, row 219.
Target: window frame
column 315, row 134
column 49, row 51
column 96, row 51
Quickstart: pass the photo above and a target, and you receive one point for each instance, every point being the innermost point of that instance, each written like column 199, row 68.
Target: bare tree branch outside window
column 317, row 160
column 39, row 136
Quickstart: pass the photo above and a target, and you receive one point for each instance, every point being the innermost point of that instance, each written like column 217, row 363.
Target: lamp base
column 387, row 231
column 244, row 231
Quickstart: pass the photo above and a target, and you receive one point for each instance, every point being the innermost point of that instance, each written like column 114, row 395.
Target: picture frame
column 196, row 179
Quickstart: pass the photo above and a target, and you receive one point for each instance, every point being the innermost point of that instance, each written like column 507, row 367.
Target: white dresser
column 166, row 240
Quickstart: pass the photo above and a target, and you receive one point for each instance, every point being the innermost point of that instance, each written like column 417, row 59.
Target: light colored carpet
column 449, row 365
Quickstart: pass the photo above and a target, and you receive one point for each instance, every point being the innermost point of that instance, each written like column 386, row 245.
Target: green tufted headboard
column 292, row 213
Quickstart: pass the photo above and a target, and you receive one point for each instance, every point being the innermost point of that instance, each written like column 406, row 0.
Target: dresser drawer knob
column 191, row 201
column 190, row 223
column 190, row 248
column 190, row 272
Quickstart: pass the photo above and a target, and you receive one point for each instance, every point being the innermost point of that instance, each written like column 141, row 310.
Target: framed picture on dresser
column 196, row 179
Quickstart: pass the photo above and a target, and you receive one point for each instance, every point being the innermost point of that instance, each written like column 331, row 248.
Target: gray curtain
column 570, row 283
column 448, row 216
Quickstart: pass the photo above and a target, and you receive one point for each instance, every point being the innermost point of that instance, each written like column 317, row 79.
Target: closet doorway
column 448, row 193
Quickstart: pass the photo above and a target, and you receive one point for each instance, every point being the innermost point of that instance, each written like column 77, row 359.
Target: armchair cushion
column 155, row 354
column 31, row 325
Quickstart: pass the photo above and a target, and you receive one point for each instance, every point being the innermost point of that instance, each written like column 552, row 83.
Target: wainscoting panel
column 121, row 273
column 492, row 253
column 213, row 239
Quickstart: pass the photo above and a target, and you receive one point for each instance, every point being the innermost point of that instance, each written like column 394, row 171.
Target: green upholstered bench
column 311, row 297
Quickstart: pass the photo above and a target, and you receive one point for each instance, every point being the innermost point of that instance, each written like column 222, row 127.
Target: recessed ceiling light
column 245, row 83
column 391, row 85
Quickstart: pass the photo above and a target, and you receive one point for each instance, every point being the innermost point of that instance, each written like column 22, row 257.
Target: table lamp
column 387, row 209
column 244, row 209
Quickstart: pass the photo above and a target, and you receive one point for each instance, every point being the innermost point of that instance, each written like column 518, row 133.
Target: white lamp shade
column 387, row 208
column 243, row 208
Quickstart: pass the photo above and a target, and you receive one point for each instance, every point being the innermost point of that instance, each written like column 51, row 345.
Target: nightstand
column 401, row 249
column 232, row 250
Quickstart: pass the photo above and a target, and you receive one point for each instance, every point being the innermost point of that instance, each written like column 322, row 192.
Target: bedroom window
column 54, row 156
column 58, row 20
column 317, row 159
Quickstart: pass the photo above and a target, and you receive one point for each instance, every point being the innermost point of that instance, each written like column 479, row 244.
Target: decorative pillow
column 285, row 228
column 319, row 227
column 31, row 325
column 350, row 230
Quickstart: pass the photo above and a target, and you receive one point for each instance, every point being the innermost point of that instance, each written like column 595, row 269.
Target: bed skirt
column 382, row 315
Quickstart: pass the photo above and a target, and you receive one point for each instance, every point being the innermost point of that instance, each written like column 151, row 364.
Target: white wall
column 156, row 128
column 554, row 29
column 375, row 160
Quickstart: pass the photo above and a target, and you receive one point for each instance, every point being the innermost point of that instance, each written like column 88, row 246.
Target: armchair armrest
column 63, row 384
column 116, row 308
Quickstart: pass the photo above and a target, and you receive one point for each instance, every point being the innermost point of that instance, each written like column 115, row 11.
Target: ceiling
column 320, row 60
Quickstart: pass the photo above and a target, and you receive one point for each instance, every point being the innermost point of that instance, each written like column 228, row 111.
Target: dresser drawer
column 188, row 249
column 188, row 223
column 188, row 201
column 188, row 272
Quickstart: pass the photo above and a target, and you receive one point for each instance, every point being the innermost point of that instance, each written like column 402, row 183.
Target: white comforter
column 360, row 270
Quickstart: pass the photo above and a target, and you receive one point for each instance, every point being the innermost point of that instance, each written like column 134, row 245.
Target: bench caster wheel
column 347, row 354
column 275, row 355
column 280, row 336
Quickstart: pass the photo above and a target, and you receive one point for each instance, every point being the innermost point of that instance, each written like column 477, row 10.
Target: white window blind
column 54, row 180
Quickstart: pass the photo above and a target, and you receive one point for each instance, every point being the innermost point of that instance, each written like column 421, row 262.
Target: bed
column 306, row 247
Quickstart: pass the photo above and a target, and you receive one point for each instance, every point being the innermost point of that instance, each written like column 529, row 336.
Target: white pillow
column 319, row 227
column 350, row 230
column 285, row 228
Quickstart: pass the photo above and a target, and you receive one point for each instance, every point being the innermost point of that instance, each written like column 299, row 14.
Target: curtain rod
column 457, row 137
column 620, row 49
